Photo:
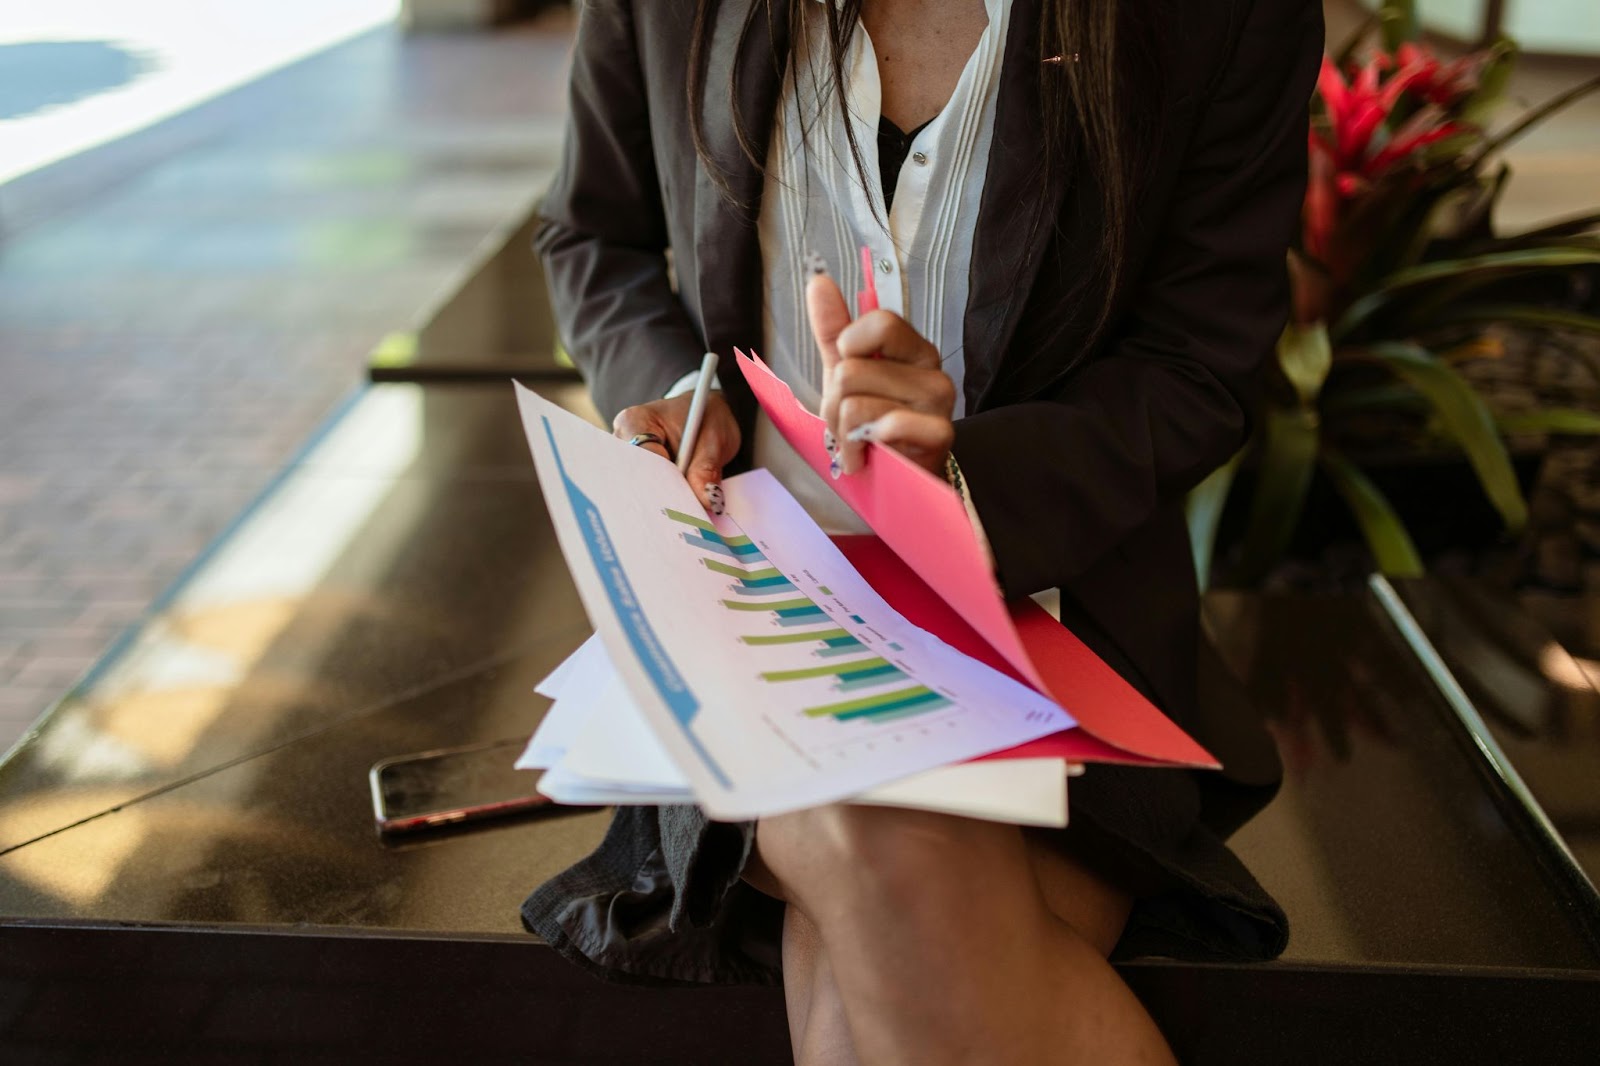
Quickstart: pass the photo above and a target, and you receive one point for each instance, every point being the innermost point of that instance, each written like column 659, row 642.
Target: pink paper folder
column 926, row 561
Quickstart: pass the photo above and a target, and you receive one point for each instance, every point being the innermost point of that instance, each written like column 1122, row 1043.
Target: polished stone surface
column 1537, row 693
column 1385, row 844
column 496, row 324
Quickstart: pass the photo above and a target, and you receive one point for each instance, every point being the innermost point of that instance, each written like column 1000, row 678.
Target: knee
column 844, row 848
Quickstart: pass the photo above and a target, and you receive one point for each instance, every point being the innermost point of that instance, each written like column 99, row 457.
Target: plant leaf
column 1288, row 458
column 1464, row 273
column 1566, row 227
column 1306, row 357
column 1396, row 397
column 1465, row 418
column 1203, row 509
column 1399, row 20
column 1567, row 421
column 1492, row 79
column 1523, row 315
column 1386, row 536
column 1346, row 51
column 1531, row 119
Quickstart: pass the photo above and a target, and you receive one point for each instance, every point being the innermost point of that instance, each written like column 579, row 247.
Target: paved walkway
column 179, row 312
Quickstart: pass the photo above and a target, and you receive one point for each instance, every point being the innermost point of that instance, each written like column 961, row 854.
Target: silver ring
column 646, row 438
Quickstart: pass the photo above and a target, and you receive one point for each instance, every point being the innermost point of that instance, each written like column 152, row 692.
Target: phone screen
column 439, row 788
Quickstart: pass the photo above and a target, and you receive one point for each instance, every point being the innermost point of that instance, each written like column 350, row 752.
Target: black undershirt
column 893, row 148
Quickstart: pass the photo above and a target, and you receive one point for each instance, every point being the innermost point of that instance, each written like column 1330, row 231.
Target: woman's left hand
column 903, row 399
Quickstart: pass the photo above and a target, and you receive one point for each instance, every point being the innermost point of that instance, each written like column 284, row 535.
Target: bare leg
column 818, row 1031
column 945, row 943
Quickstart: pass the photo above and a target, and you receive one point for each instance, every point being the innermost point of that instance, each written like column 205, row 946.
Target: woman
column 1077, row 212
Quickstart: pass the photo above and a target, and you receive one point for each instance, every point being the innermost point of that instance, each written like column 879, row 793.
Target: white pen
column 697, row 411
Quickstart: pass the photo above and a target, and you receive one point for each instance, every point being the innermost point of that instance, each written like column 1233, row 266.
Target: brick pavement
column 170, row 340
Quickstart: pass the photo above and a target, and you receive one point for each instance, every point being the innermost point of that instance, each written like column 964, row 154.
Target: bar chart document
column 771, row 672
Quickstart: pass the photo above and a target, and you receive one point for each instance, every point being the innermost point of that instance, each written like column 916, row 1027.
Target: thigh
column 1078, row 893
column 1074, row 887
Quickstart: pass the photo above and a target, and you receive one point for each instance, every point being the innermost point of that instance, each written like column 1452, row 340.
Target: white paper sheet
column 767, row 689
column 582, row 677
column 615, row 759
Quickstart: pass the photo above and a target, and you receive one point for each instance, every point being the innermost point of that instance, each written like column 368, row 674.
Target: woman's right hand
column 718, row 442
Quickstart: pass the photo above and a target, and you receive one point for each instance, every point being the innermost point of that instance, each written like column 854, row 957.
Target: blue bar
column 828, row 653
column 805, row 619
column 800, row 612
column 706, row 544
column 842, row 642
column 858, row 620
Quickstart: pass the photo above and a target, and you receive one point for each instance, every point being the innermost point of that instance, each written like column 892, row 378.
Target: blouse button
column 920, row 158
column 886, row 266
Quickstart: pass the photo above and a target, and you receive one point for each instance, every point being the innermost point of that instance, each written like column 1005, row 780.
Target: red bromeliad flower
column 1358, row 147
column 1442, row 84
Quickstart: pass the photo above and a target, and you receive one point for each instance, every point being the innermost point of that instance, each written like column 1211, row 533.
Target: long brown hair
column 1085, row 114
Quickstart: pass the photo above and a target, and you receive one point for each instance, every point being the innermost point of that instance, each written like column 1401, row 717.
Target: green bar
column 822, row 671
column 928, row 701
column 796, row 638
column 781, row 605
column 740, row 573
column 691, row 520
column 825, row 590
column 867, row 701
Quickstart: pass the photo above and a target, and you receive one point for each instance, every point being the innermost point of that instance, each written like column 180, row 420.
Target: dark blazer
column 1079, row 479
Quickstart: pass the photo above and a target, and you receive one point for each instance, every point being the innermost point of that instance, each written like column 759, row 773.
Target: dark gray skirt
column 661, row 900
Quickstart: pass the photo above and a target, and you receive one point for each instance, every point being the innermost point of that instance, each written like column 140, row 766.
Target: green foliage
column 1401, row 274
column 1382, row 529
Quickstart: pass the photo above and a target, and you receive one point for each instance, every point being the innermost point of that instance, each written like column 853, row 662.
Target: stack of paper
column 744, row 663
column 598, row 749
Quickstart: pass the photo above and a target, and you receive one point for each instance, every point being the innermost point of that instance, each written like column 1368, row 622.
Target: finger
column 829, row 315
column 704, row 473
column 923, row 438
column 632, row 421
column 856, row 411
column 886, row 334
column 915, row 387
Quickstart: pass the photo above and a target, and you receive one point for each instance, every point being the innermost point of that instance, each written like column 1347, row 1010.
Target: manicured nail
column 834, row 469
column 714, row 498
column 815, row 264
column 865, row 431
column 830, row 442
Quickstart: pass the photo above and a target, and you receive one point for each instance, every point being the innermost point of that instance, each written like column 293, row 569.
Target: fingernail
column 830, row 442
column 834, row 469
column 815, row 264
column 865, row 431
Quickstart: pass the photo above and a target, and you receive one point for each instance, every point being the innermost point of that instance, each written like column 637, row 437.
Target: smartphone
column 451, row 786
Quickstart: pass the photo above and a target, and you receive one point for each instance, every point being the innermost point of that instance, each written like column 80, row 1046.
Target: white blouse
column 814, row 201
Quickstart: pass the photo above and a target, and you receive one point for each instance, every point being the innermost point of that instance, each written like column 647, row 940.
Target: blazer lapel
column 728, row 277
column 1017, row 212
